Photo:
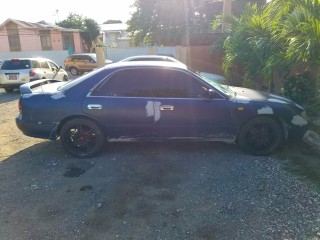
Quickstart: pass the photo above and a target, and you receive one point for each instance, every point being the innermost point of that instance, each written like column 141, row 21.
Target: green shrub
column 300, row 88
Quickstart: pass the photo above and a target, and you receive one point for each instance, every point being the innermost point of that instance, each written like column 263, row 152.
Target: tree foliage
column 279, row 36
column 158, row 22
column 90, row 28
column 166, row 22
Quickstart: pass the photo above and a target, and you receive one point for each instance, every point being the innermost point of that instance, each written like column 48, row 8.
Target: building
column 21, row 36
column 114, row 35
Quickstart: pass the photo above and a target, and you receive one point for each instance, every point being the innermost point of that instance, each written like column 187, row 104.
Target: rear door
column 124, row 105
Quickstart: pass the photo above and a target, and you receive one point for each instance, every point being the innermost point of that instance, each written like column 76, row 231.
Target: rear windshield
column 16, row 64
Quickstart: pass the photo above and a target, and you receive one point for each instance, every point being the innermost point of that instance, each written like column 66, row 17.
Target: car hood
column 245, row 95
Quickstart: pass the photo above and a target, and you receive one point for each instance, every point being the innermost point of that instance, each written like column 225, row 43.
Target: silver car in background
column 17, row 71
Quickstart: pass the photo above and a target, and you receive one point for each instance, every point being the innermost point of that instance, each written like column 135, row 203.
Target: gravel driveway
column 147, row 191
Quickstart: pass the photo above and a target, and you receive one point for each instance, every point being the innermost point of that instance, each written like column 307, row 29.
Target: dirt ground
column 150, row 191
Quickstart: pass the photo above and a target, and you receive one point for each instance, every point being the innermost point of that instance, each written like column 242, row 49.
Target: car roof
column 168, row 64
column 82, row 54
column 144, row 57
column 32, row 58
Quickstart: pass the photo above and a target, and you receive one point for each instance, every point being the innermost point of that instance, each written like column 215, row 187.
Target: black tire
column 260, row 136
column 82, row 138
column 65, row 78
column 74, row 71
column 8, row 90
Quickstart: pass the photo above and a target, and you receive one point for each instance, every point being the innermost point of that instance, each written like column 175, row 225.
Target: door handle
column 166, row 108
column 94, row 106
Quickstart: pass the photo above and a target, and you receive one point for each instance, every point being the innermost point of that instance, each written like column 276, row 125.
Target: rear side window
column 16, row 64
column 127, row 83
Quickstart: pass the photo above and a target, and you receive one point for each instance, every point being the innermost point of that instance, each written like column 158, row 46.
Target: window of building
column 45, row 38
column 67, row 40
column 13, row 37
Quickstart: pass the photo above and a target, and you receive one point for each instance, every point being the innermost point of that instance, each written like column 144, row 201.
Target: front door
column 184, row 110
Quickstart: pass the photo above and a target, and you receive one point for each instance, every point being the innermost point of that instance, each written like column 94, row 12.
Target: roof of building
column 42, row 25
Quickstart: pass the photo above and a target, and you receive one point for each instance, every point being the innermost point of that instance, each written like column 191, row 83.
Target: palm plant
column 251, row 45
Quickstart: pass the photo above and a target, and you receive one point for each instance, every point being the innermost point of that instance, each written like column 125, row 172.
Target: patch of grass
column 302, row 160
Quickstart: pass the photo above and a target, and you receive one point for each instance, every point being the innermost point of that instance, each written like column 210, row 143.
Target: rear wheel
column 8, row 90
column 260, row 136
column 74, row 71
column 82, row 138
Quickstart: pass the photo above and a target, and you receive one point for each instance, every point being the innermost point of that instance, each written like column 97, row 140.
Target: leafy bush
column 299, row 88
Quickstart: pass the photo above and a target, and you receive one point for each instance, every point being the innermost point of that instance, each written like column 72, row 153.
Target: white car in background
column 214, row 77
column 17, row 71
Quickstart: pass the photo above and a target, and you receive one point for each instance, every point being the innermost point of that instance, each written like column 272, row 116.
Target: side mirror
column 211, row 93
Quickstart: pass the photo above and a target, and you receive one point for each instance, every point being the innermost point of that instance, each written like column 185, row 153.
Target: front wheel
column 82, row 138
column 260, row 136
column 74, row 71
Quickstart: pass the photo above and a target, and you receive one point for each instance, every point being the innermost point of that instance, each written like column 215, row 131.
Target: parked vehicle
column 211, row 76
column 155, row 101
column 77, row 64
column 17, row 71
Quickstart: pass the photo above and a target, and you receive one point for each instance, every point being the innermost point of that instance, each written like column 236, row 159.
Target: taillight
column 20, row 106
column 32, row 73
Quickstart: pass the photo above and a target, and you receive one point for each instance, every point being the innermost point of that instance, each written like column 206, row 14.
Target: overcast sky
column 58, row 10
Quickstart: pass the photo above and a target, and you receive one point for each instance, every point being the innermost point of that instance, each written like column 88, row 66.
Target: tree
column 90, row 28
column 73, row 21
column 166, row 22
column 91, row 31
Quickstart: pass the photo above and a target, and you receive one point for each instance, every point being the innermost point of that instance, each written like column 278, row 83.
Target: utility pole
column 227, row 11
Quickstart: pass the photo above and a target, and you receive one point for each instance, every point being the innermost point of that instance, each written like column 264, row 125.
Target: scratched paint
column 265, row 110
column 240, row 99
column 150, row 109
column 153, row 110
column 299, row 121
column 58, row 96
column 278, row 97
column 277, row 100
column 157, row 114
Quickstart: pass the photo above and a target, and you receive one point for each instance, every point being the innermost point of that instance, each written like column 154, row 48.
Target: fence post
column 101, row 62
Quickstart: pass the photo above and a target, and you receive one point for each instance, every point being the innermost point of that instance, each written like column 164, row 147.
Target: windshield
column 223, row 88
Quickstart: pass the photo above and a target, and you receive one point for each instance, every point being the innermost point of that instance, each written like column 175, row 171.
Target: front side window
column 177, row 84
column 53, row 65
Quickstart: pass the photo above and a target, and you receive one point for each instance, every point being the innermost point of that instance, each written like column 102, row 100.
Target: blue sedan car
column 134, row 101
